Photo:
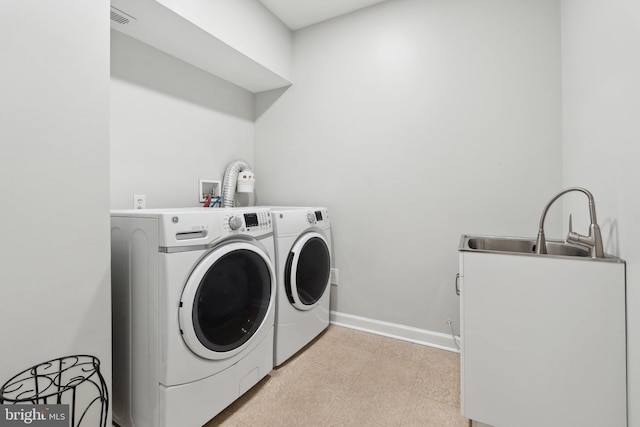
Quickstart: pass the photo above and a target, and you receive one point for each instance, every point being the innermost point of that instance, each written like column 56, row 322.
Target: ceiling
column 298, row 14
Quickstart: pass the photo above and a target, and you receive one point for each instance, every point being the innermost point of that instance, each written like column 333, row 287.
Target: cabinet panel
column 543, row 341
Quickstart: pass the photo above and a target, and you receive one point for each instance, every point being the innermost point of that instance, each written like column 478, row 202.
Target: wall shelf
column 158, row 26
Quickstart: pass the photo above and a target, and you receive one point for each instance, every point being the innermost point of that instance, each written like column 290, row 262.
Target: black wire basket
column 72, row 380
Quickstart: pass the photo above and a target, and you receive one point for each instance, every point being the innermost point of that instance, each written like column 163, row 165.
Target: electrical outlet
column 334, row 276
column 139, row 201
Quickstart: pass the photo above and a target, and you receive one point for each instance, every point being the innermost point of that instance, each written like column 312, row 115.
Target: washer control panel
column 256, row 221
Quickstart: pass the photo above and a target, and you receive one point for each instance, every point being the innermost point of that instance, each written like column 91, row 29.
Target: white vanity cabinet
column 543, row 340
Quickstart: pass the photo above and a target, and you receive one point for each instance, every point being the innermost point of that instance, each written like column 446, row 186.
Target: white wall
column 601, row 102
column 414, row 122
column 54, row 183
column 171, row 125
column 245, row 25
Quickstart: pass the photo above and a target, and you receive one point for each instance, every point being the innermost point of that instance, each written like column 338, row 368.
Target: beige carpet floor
column 351, row 378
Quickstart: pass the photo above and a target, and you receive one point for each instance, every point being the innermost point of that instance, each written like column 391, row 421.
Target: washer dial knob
column 311, row 217
column 235, row 222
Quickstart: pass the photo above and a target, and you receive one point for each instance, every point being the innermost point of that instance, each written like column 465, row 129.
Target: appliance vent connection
column 230, row 181
column 121, row 18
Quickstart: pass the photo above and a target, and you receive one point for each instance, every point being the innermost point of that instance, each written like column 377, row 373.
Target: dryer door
column 226, row 300
column 307, row 270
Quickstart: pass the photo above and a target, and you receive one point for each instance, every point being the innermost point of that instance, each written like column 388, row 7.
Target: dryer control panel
column 317, row 216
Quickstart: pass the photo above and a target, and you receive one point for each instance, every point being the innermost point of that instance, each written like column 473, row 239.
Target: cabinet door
column 543, row 341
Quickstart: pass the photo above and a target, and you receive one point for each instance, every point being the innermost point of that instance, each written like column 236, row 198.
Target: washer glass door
column 307, row 270
column 226, row 300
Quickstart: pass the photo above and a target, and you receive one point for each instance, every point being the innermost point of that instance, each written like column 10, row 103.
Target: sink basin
column 566, row 249
column 520, row 245
column 501, row 244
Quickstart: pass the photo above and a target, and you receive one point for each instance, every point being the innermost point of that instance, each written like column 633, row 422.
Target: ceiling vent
column 121, row 18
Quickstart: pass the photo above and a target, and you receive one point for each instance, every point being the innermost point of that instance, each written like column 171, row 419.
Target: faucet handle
column 573, row 237
column 570, row 224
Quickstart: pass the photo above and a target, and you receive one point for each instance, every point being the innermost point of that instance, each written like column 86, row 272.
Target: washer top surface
column 180, row 227
column 156, row 212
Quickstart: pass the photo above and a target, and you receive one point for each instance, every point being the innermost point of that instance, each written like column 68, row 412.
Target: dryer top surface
column 294, row 221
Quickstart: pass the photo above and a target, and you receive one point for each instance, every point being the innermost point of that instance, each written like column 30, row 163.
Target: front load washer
column 303, row 254
column 193, row 311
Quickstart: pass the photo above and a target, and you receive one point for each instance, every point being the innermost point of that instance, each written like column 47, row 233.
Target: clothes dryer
column 193, row 311
column 303, row 254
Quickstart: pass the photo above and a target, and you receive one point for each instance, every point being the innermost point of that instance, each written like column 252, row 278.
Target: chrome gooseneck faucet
column 593, row 241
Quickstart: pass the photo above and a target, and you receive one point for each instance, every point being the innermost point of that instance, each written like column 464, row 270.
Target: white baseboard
column 394, row 330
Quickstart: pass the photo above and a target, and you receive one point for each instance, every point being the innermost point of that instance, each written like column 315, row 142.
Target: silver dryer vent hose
column 230, row 180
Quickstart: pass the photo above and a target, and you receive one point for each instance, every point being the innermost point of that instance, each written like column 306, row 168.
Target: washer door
column 226, row 300
column 307, row 271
